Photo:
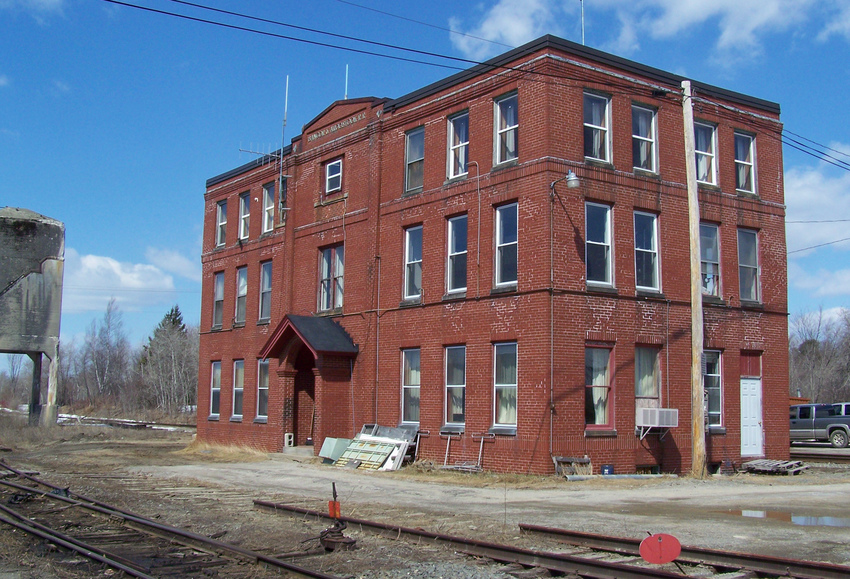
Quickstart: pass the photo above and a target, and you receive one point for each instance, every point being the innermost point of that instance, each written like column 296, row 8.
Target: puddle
column 803, row 520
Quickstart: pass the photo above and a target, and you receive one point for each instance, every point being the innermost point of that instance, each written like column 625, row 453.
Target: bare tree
column 820, row 357
column 105, row 356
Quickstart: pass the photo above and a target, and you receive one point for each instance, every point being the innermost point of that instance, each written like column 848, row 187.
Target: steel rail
column 582, row 567
column 70, row 543
column 699, row 555
column 180, row 535
column 805, row 454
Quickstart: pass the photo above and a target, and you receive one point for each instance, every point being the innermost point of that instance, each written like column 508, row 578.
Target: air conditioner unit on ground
column 657, row 417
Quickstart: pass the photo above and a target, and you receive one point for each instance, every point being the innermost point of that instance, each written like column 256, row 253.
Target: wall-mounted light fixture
column 572, row 180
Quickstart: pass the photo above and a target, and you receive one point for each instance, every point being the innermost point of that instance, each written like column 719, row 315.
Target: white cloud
column 36, row 8
column 61, row 86
column 821, row 283
column 817, row 193
column 838, row 22
column 92, row 280
column 739, row 23
column 4, row 80
column 511, row 22
column 174, row 262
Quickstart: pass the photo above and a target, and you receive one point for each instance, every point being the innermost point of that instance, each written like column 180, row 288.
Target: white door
column 752, row 434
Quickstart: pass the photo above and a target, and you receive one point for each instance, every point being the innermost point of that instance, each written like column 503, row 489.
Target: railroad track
column 622, row 559
column 812, row 455
column 122, row 540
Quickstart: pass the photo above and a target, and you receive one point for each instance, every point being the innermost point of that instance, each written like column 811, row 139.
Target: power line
column 822, row 221
column 449, row 30
column 819, row 245
column 818, row 144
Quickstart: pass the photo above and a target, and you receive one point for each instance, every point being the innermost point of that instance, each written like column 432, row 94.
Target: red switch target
column 659, row 549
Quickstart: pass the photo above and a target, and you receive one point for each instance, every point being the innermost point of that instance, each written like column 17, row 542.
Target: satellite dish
column 660, row 549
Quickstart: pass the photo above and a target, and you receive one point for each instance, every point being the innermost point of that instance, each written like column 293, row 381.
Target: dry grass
column 204, row 451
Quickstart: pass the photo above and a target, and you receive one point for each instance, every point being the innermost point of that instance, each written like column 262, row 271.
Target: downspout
column 478, row 241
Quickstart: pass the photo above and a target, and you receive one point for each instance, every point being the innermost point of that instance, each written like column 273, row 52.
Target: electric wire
column 449, row 30
column 819, row 245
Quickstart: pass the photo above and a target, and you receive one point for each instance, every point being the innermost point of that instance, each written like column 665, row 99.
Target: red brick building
column 505, row 254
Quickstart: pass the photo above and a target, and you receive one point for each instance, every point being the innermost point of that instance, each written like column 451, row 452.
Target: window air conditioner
column 657, row 417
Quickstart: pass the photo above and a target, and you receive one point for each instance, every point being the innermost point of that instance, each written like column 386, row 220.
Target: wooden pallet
column 765, row 466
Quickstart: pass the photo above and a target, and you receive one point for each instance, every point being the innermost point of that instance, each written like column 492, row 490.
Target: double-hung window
column 238, row 387
column 244, row 215
column 456, row 266
column 262, row 389
column 647, row 379
column 458, row 144
column 505, row 384
column 241, row 294
column 709, row 250
column 268, row 207
column 455, row 384
column 333, row 176
column 507, row 128
column 712, row 384
column 596, row 123
column 598, row 245
column 748, row 265
column 646, row 251
column 220, row 223
column 215, row 389
column 265, row 291
column 332, row 268
column 704, row 143
column 643, row 138
column 745, row 159
column 410, row 385
column 413, row 262
column 506, row 245
column 218, row 299
column 414, row 160
column 597, row 392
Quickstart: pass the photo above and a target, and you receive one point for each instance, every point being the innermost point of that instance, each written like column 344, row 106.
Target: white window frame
column 411, row 163
column 331, row 278
column 238, row 389
column 244, row 215
column 240, row 310
column 650, row 252
column 708, row 154
column 215, row 389
column 458, row 386
column 409, row 386
column 333, row 176
column 590, row 386
column 749, row 269
column 505, row 387
column 218, row 299
column 262, row 388
column 413, row 262
column 457, row 256
column 605, row 243
column 265, row 306
column 221, row 223
column 504, row 133
column 458, row 150
column 746, row 164
column 649, row 140
column 505, row 247
column 268, row 207
column 591, row 128
column 714, row 416
column 710, row 265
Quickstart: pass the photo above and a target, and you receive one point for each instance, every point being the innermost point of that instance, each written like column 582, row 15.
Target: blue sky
column 112, row 118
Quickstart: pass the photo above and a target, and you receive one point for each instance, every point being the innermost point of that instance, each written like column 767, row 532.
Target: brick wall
column 552, row 314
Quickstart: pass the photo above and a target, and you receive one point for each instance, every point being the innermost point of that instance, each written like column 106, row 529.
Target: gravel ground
column 209, row 490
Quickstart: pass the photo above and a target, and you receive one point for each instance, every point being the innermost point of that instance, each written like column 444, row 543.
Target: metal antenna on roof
column 346, row 82
column 282, row 189
column 582, row 22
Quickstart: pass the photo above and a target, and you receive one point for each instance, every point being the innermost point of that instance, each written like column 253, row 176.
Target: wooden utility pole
column 698, row 469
